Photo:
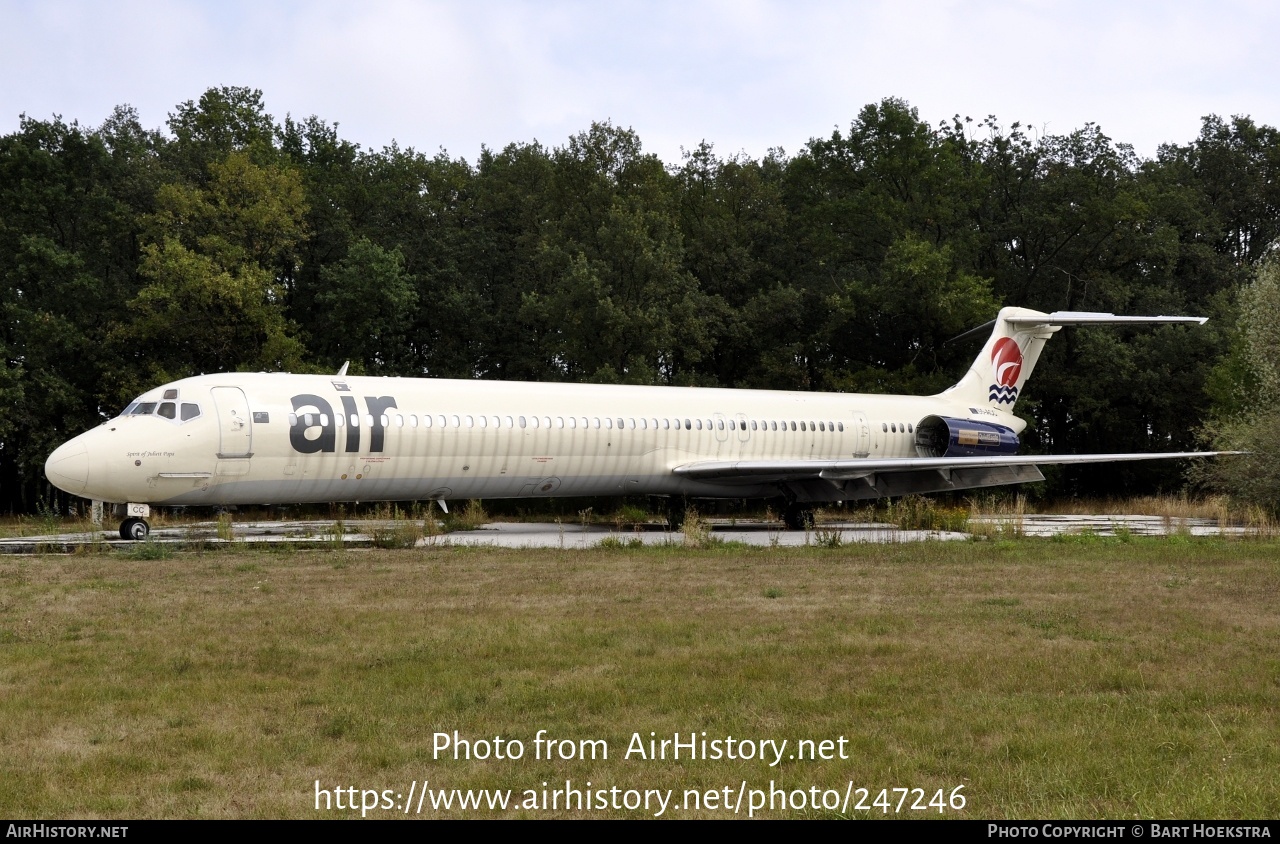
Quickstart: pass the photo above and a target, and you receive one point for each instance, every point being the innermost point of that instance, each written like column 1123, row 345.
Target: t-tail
column 1005, row 363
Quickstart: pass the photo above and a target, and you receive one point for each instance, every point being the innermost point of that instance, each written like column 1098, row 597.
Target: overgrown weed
column 697, row 532
column 470, row 517
column 614, row 541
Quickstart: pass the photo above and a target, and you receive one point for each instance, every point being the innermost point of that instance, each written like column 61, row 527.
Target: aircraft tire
column 796, row 517
column 135, row 529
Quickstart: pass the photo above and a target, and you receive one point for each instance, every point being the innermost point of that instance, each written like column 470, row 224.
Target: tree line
column 232, row 241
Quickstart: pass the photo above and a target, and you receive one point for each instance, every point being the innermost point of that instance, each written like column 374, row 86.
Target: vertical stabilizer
column 1003, row 366
column 997, row 376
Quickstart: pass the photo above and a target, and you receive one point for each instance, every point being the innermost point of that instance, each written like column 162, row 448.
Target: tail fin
column 1005, row 363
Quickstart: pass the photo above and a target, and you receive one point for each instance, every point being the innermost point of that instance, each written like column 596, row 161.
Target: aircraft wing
column 845, row 470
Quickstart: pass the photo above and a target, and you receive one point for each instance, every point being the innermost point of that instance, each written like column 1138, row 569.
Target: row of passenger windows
column 592, row 422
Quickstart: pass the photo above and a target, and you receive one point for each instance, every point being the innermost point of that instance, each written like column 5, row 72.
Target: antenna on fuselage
column 343, row 370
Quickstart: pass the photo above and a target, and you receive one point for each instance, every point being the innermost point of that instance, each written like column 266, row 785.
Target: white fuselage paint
column 576, row 440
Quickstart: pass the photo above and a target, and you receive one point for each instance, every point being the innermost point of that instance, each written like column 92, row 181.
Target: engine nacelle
column 943, row 436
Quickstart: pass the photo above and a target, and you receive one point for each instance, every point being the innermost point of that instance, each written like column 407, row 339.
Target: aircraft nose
column 68, row 467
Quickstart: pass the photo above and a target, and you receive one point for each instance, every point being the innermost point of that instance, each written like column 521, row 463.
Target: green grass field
column 1061, row 679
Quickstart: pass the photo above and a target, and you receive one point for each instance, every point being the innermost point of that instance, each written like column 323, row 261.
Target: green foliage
column 916, row 512
column 149, row 549
column 1254, row 477
column 235, row 242
column 212, row 300
column 377, row 299
column 470, row 517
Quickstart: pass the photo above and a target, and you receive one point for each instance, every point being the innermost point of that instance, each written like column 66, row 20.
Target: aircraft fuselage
column 275, row 438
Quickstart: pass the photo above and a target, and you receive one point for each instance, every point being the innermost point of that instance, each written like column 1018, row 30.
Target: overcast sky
column 746, row 76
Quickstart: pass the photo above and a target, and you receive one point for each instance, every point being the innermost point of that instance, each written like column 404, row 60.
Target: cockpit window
column 129, row 409
column 143, row 408
column 168, row 410
column 190, row 411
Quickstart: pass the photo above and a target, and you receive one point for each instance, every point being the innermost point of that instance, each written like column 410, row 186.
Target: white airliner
column 274, row 438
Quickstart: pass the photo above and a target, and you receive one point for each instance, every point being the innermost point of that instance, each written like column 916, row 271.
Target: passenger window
column 841, row 427
column 413, row 421
column 546, row 421
column 426, row 420
column 293, row 419
column 573, row 422
column 559, row 421
column 484, row 422
column 341, row 420
column 324, row 419
column 533, row 420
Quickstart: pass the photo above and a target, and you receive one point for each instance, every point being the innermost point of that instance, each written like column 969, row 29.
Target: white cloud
column 749, row 75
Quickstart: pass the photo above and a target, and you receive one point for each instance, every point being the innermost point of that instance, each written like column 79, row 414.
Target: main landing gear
column 797, row 517
column 134, row 526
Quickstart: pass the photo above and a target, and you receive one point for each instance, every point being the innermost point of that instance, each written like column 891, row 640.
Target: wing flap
column 845, row 470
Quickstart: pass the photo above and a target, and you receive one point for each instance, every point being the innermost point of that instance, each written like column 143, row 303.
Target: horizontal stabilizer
column 1088, row 318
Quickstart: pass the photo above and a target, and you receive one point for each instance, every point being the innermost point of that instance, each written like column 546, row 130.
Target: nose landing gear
column 134, row 528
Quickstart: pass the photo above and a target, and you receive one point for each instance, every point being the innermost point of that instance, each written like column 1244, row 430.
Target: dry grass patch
column 1082, row 680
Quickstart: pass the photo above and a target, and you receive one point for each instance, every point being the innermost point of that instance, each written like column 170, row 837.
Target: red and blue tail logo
column 1006, row 364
